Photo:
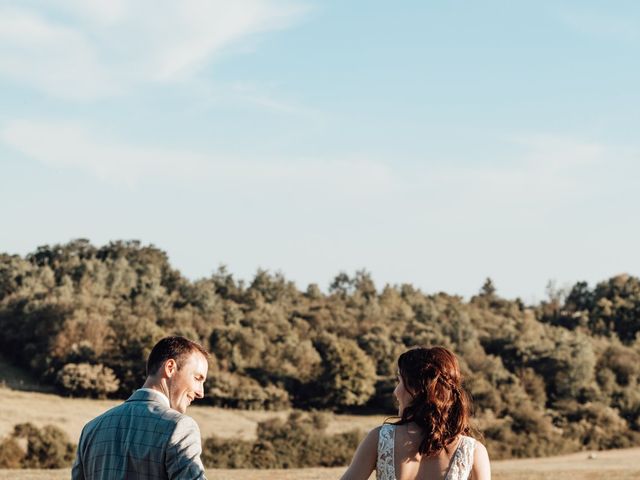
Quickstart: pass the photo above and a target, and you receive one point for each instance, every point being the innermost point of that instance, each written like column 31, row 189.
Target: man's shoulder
column 139, row 411
column 184, row 421
column 111, row 412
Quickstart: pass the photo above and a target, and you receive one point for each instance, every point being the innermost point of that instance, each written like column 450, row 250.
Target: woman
column 430, row 441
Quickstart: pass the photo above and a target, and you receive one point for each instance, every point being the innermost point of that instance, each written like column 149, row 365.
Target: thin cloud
column 544, row 173
column 600, row 23
column 263, row 98
column 75, row 146
column 211, row 95
column 55, row 59
column 83, row 50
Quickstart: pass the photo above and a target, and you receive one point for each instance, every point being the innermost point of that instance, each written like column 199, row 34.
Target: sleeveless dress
column 460, row 466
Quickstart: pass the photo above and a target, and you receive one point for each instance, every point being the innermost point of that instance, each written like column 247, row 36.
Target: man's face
column 187, row 383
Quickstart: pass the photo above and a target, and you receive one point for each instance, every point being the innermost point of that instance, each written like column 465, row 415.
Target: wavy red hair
column 439, row 404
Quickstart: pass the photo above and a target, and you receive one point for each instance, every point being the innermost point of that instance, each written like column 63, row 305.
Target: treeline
column 558, row 376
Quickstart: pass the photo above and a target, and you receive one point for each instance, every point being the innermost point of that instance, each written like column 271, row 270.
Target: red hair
column 439, row 404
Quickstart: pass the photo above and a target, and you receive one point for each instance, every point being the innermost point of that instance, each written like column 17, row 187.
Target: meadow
column 71, row 414
column 619, row 464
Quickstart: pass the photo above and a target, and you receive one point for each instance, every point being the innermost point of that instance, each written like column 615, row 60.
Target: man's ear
column 170, row 368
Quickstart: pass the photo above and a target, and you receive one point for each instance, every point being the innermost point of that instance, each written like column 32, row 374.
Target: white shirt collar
column 165, row 399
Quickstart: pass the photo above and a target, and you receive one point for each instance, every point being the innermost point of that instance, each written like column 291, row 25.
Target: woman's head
column 430, row 394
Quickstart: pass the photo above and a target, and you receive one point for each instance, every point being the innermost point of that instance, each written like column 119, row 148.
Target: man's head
column 178, row 367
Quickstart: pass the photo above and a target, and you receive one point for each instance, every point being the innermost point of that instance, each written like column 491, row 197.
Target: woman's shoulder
column 468, row 450
column 481, row 469
column 480, row 449
column 477, row 444
column 475, row 449
column 370, row 442
column 373, row 435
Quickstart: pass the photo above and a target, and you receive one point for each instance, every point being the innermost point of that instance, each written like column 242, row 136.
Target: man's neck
column 159, row 387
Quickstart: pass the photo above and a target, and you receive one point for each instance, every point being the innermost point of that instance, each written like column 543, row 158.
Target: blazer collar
column 149, row 395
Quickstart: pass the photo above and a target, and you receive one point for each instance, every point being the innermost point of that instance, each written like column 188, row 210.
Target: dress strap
column 462, row 461
column 385, row 469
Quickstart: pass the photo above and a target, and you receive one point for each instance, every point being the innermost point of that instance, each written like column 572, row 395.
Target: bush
column 233, row 391
column 623, row 362
column 298, row 442
column 597, row 426
column 85, row 380
column 525, row 434
column 47, row 447
column 221, row 453
column 11, row 455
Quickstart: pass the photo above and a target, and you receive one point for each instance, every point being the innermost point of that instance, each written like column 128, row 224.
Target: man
column 149, row 436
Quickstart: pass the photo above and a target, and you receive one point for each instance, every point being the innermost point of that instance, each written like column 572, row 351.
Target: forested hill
column 547, row 378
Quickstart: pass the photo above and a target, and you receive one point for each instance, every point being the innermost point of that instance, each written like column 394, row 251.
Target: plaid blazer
column 141, row 439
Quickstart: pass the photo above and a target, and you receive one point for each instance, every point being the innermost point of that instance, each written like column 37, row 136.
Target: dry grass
column 72, row 414
column 618, row 464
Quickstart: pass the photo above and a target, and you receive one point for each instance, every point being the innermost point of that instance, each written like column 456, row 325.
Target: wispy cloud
column 50, row 57
column 268, row 98
column 544, row 165
column 543, row 169
column 544, row 173
column 82, row 50
column 257, row 96
column 601, row 22
column 75, row 146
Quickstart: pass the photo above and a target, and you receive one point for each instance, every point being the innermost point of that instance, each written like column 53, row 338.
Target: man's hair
column 177, row 348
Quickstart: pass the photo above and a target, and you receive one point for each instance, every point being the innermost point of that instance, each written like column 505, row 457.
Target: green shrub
column 222, row 453
column 298, row 442
column 85, row 380
column 234, row 391
column 597, row 426
column 47, row 447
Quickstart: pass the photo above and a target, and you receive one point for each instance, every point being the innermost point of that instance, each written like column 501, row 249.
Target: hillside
column 555, row 377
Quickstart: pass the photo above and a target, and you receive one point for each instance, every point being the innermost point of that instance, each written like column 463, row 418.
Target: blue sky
column 435, row 143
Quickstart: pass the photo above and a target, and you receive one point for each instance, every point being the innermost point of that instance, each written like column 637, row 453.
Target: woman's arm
column 481, row 469
column 364, row 460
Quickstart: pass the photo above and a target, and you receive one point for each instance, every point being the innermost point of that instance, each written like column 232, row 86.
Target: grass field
column 71, row 414
column 613, row 464
column 20, row 403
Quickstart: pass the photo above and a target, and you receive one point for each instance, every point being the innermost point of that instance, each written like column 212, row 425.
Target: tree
column 488, row 289
column 348, row 377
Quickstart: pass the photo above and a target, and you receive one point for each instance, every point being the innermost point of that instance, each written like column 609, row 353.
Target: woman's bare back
column 399, row 459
